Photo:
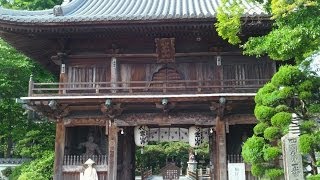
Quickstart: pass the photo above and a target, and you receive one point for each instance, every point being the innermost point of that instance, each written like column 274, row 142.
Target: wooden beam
column 112, row 151
column 148, row 55
column 240, row 119
column 85, row 121
column 221, row 154
column 194, row 118
column 59, row 150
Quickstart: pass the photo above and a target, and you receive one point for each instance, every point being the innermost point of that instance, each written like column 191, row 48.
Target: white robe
column 89, row 174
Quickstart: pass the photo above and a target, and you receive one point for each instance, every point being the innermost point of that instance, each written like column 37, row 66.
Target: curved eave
column 86, row 26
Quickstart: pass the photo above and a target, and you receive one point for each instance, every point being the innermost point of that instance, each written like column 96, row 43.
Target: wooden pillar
column 59, row 150
column 112, row 151
column 114, row 74
column 128, row 154
column 213, row 155
column 221, row 150
column 62, row 78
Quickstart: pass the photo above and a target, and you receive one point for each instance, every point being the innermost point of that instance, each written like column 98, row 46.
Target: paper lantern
column 195, row 136
column 141, row 135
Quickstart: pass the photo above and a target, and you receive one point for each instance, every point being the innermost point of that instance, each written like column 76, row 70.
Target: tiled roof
column 124, row 10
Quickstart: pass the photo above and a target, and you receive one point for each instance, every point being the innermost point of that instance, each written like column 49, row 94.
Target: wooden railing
column 80, row 160
column 73, row 165
column 145, row 87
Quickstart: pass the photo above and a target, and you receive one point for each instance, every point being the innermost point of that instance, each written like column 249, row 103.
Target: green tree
column 30, row 4
column 31, row 139
column 295, row 35
column 290, row 91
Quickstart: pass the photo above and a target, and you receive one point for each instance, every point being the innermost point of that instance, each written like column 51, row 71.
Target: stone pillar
column 112, row 151
column 292, row 159
column 114, row 74
column 192, row 166
column 59, row 150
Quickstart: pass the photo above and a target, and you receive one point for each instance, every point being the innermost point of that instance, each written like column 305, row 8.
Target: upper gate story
column 156, row 47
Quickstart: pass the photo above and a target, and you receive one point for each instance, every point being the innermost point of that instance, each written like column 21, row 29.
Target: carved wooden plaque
column 165, row 50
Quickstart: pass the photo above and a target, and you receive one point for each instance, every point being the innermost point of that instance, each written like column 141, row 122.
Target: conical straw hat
column 89, row 161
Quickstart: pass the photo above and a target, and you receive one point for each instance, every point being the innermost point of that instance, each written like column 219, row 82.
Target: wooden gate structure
column 125, row 63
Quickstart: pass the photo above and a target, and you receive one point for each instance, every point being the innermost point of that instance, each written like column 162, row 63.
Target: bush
column 259, row 128
column 282, row 107
column 306, row 143
column 274, row 173
column 271, row 153
column 272, row 133
column 252, row 150
column 281, row 119
column 314, row 177
column 39, row 169
column 257, row 170
column 287, row 76
column 264, row 113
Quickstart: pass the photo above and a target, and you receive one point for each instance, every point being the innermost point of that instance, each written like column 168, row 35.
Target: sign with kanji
column 165, row 50
column 236, row 171
column 292, row 159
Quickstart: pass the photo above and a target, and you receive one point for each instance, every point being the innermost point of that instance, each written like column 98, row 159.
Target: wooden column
column 213, row 155
column 128, row 154
column 221, row 150
column 59, row 150
column 114, row 73
column 62, row 78
column 112, row 151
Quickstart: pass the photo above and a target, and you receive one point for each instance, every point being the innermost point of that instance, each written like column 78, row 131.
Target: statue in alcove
column 91, row 147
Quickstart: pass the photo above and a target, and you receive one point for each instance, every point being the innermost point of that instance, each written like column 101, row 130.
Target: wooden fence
column 146, row 87
column 80, row 159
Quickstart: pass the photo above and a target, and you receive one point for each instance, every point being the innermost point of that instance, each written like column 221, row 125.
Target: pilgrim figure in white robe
column 90, row 173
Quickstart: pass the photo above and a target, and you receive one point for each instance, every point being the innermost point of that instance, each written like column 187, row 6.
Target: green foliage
column 281, row 119
column 271, row 153
column 259, row 128
column 36, row 141
column 295, row 35
column 306, row 142
column 314, row 177
column 287, row 76
column 229, row 14
column 40, row 169
column 263, row 113
column 156, row 155
column 252, row 150
column 271, row 133
column 274, row 173
column 257, row 170
column 30, row 4
column 282, row 107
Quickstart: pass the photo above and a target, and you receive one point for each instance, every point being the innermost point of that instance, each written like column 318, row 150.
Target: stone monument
column 192, row 163
column 292, row 159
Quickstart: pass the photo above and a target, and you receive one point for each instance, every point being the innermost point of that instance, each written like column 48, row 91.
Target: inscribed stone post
column 292, row 159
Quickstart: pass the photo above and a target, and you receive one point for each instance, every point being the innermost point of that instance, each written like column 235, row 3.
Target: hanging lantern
column 195, row 136
column 141, row 135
